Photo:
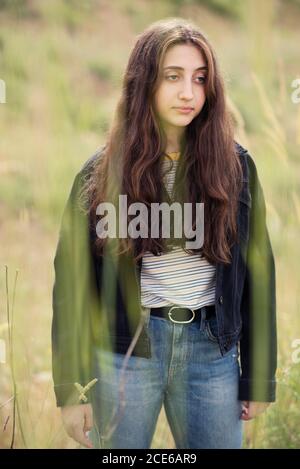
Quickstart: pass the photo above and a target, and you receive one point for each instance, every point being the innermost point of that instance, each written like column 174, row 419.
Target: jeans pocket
column 211, row 329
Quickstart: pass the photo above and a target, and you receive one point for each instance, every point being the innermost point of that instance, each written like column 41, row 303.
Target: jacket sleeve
column 258, row 344
column 73, row 294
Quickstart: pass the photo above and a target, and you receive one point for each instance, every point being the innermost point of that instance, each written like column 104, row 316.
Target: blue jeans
column 186, row 373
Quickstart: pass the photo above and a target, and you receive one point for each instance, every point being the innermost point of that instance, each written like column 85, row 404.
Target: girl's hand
column 77, row 420
column 250, row 409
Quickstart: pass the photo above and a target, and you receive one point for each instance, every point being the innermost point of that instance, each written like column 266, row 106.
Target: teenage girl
column 154, row 321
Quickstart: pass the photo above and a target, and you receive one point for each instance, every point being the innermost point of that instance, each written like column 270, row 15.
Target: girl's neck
column 169, row 150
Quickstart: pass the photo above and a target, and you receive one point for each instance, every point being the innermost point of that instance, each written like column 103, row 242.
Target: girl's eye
column 201, row 79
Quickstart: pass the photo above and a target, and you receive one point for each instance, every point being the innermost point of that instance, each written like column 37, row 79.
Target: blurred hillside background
column 62, row 62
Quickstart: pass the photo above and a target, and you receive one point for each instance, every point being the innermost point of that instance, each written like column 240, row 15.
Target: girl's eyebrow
column 181, row 68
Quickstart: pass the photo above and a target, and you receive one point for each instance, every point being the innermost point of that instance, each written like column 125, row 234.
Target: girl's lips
column 184, row 111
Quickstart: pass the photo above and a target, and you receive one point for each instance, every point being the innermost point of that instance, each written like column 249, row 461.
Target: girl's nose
column 186, row 91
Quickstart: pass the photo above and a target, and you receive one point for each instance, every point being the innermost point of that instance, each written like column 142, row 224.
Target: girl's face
column 181, row 84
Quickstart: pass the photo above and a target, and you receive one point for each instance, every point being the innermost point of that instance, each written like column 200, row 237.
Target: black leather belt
column 182, row 315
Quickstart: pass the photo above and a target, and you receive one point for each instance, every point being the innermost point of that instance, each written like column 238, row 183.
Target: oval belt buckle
column 180, row 322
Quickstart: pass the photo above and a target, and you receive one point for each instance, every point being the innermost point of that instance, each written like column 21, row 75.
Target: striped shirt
column 176, row 277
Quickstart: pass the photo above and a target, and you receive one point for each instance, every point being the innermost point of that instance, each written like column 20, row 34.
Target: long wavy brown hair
column 209, row 169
